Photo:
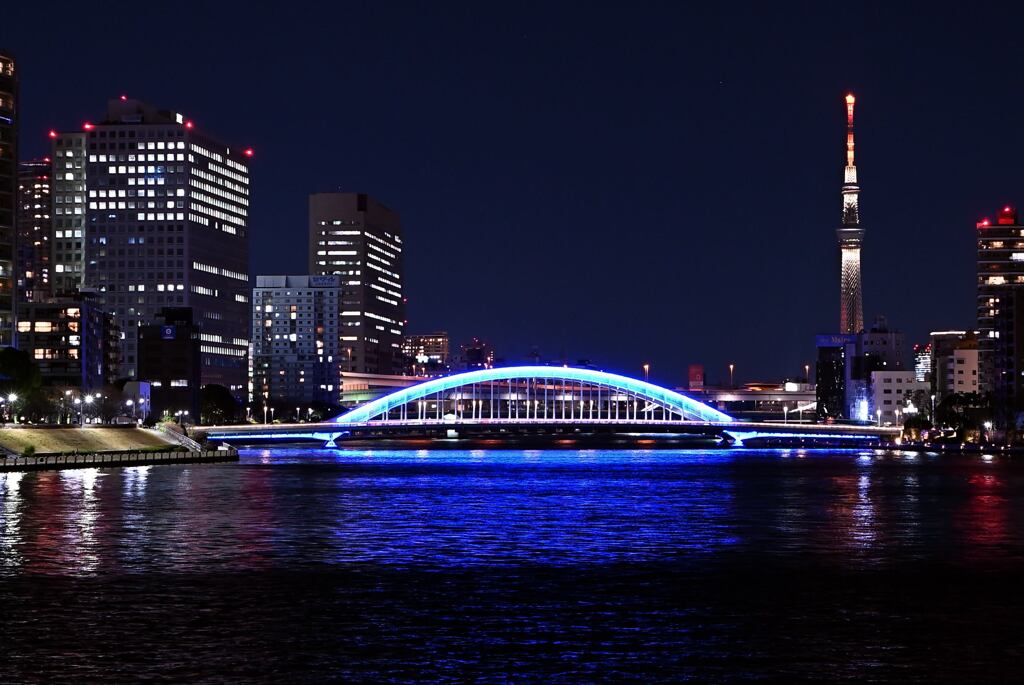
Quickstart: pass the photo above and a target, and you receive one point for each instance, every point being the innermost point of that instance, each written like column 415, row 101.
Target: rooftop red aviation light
column 984, row 223
column 53, row 134
column 124, row 98
column 87, row 126
column 1007, row 217
column 189, row 124
column 249, row 152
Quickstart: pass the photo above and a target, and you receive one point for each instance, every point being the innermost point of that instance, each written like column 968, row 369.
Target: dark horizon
column 599, row 185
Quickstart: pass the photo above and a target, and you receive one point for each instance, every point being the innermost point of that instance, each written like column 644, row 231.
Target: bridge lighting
column 669, row 400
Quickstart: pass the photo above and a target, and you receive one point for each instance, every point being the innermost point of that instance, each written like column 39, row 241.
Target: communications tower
column 851, row 235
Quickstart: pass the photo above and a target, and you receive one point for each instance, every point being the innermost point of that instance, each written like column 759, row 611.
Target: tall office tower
column 297, row 351
column 165, row 225
column 851, row 235
column 8, row 192
column 354, row 236
column 1001, row 313
column 34, row 228
column 923, row 362
column 69, row 207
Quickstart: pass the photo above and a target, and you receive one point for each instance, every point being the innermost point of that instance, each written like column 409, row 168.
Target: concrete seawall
column 113, row 459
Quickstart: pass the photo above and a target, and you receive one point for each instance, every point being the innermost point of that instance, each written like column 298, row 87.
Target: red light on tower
column 87, row 126
column 984, row 223
column 124, row 98
column 53, row 134
column 189, row 124
column 1007, row 217
column 249, row 152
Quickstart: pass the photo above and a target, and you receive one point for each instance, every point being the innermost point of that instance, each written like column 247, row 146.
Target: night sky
column 620, row 183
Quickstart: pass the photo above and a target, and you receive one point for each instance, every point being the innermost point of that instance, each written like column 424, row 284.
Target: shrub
column 29, row 451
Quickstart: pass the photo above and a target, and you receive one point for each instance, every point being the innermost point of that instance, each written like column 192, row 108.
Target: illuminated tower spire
column 850, row 234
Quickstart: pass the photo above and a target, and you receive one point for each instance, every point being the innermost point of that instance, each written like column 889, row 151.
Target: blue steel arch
column 676, row 402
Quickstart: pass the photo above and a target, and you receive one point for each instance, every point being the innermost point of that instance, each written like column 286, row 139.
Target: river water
column 305, row 565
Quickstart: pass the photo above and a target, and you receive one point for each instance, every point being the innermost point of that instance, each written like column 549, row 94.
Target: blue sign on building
column 167, row 332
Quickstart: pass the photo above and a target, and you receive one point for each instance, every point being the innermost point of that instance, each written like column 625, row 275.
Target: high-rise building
column 34, row 228
column 8, row 192
column 355, row 237
column 923, row 362
column 846, row 363
column 170, row 359
column 426, row 354
column 74, row 342
column 69, row 208
column 955, row 362
column 297, row 347
column 1001, row 313
column 150, row 211
column 850, row 235
column 831, row 373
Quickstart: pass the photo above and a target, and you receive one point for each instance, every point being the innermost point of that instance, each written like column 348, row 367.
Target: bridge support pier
column 731, row 439
column 332, row 441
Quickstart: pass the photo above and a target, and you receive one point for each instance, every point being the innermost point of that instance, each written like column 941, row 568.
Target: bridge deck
column 328, row 430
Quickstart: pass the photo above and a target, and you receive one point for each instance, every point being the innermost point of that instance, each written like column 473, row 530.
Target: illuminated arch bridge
column 546, row 399
column 533, row 394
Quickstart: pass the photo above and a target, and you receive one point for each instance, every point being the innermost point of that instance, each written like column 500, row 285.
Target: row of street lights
column 270, row 410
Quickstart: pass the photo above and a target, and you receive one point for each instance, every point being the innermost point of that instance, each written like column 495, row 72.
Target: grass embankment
column 98, row 439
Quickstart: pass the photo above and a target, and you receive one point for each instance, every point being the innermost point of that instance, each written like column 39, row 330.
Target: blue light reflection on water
column 546, row 565
column 461, row 508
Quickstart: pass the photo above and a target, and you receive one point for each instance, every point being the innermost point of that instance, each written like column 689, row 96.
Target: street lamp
column 732, row 367
column 131, row 404
column 807, row 373
column 878, row 413
column 785, row 414
column 271, row 414
column 85, row 400
column 264, row 414
column 647, row 371
column 309, row 414
column 934, row 424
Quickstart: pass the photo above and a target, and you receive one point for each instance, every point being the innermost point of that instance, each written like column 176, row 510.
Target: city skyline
column 556, row 188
